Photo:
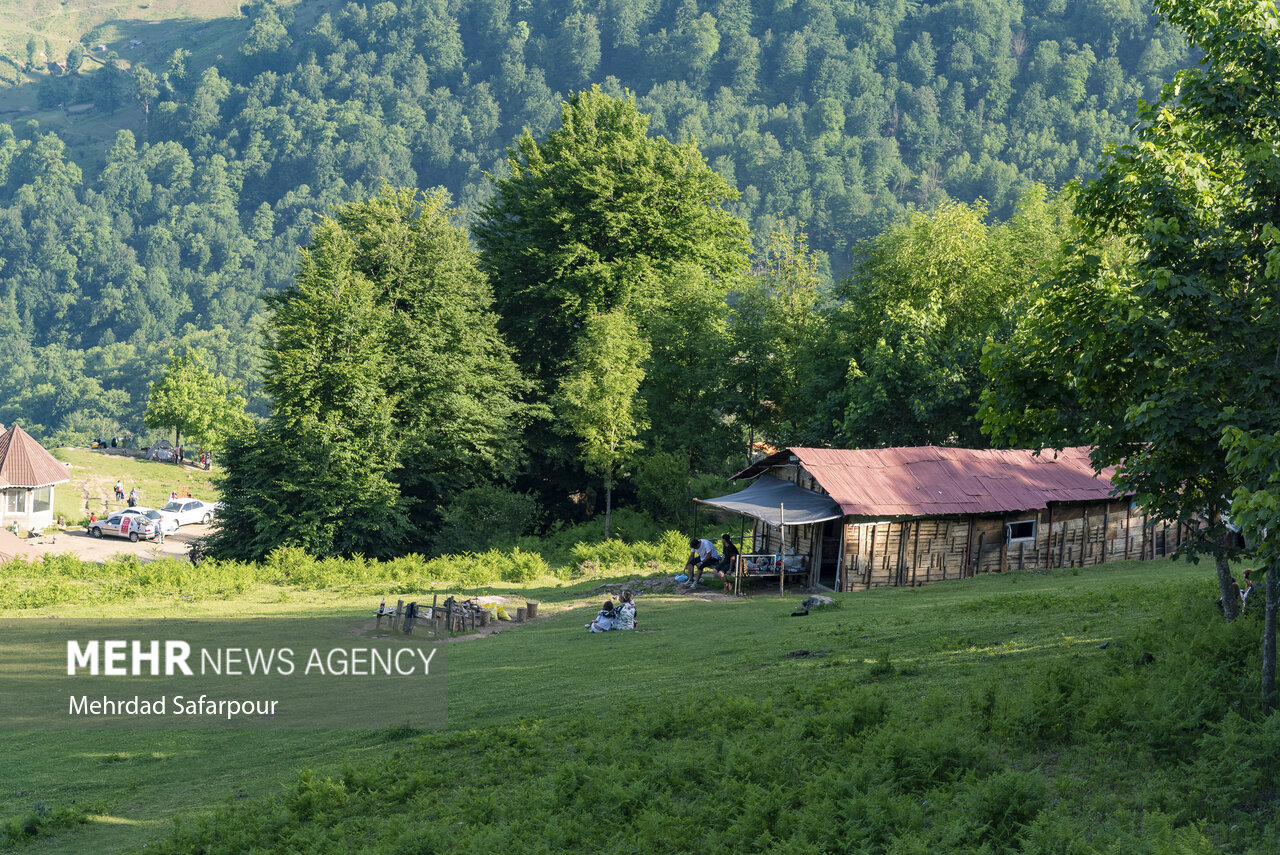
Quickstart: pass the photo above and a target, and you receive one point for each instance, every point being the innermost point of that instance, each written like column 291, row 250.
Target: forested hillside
column 836, row 116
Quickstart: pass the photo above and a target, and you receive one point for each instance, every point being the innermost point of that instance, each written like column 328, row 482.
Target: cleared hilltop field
column 63, row 23
column 206, row 28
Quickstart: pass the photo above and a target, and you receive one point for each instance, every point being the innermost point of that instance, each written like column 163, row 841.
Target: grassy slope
column 949, row 638
column 94, row 473
column 209, row 29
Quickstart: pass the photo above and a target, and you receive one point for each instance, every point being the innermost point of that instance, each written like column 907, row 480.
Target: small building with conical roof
column 28, row 474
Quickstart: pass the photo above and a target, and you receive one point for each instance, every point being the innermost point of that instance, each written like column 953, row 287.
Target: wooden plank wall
column 917, row 552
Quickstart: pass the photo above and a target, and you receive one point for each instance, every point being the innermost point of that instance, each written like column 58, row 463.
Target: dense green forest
column 837, row 117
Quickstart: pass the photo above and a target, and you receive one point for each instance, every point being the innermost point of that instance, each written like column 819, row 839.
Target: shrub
column 1000, row 805
column 662, row 484
column 521, row 566
column 615, row 556
column 483, row 517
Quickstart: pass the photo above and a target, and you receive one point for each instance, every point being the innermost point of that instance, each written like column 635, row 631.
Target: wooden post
column 1084, row 545
column 531, row 610
column 1004, row 545
column 915, row 554
column 968, row 552
column 1048, row 546
column 782, row 533
column 1128, row 521
column 484, row 618
column 520, row 611
column 842, row 578
column 977, row 559
column 1146, row 532
column 1062, row 544
column 1106, row 532
column 871, row 556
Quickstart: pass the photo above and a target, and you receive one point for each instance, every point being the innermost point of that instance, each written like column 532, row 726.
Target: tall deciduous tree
column 1164, row 353
column 926, row 295
column 598, row 402
column 599, row 216
column 776, row 323
column 392, row 390
column 321, row 474
column 196, row 402
column 458, row 393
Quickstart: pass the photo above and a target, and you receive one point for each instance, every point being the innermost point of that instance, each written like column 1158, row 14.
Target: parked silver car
column 133, row 523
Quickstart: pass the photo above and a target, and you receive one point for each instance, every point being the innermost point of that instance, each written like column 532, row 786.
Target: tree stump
column 531, row 610
column 520, row 614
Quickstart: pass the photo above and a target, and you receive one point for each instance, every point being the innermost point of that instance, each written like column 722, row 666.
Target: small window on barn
column 1020, row 531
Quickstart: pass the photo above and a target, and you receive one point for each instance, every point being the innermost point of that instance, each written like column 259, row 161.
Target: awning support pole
column 782, row 532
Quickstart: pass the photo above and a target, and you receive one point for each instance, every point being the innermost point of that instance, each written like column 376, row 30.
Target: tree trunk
column 608, row 506
column 1228, row 588
column 1269, row 640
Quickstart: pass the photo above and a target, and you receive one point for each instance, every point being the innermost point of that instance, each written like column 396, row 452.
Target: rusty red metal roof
column 930, row 481
column 25, row 463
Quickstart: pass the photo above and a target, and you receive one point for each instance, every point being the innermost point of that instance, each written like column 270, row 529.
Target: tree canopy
column 1159, row 343
column 196, row 402
column 390, row 389
column 833, row 117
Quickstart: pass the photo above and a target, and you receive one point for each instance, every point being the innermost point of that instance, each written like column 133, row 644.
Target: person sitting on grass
column 626, row 612
column 702, row 554
column 604, row 620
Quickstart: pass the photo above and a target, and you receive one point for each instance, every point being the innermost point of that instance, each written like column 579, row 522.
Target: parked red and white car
column 133, row 523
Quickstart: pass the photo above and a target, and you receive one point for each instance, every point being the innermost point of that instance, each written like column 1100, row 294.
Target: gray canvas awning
column 779, row 502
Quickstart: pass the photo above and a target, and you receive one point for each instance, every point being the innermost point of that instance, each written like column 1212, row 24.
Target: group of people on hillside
column 133, row 494
column 703, row 555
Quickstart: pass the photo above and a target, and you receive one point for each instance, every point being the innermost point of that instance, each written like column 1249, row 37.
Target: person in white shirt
column 702, row 554
column 626, row 612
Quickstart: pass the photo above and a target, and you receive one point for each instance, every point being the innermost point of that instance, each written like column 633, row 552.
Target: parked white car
column 189, row 511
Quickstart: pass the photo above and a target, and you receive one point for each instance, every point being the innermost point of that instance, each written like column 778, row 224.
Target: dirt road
column 79, row 542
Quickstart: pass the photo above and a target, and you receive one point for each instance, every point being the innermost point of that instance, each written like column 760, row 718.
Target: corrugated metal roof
column 930, row 481
column 25, row 463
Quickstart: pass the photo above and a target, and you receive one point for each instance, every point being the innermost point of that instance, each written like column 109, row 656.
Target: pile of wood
column 453, row 615
column 461, row 615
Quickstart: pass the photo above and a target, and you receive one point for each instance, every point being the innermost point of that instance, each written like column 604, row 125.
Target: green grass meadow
column 1097, row 710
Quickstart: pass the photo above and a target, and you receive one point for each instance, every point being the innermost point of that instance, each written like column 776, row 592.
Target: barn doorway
column 830, row 566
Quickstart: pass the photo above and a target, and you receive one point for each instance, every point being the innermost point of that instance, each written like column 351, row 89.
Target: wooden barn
column 864, row 518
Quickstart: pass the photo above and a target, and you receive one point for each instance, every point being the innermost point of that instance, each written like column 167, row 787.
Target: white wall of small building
column 19, row 504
